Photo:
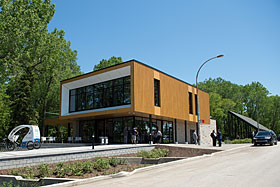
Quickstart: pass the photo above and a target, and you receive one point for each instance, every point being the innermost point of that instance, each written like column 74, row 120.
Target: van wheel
column 10, row 146
column 37, row 145
column 30, row 145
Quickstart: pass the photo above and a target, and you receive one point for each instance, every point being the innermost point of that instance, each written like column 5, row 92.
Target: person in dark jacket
column 214, row 137
column 219, row 137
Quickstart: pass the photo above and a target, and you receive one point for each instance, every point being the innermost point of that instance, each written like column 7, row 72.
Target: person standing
column 219, row 136
column 253, row 135
column 214, row 137
column 159, row 134
column 134, row 135
column 194, row 138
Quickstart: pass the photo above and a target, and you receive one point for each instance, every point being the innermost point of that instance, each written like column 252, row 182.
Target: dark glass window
column 105, row 94
column 190, row 103
column 195, row 98
column 157, row 92
column 72, row 107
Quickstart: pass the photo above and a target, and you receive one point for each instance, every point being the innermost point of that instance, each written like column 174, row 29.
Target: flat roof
column 137, row 62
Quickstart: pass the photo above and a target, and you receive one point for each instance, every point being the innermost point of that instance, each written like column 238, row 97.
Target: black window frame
column 102, row 95
column 157, row 92
column 190, row 103
column 195, row 104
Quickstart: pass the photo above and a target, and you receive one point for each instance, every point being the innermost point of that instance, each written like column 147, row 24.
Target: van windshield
column 263, row 133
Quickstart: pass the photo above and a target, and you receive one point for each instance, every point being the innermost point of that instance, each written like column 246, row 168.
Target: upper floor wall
column 174, row 95
column 148, row 88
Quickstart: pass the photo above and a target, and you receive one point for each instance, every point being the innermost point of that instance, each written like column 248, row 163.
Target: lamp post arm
column 202, row 66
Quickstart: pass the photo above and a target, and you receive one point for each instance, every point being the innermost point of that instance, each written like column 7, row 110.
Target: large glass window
column 190, row 103
column 105, row 94
column 157, row 92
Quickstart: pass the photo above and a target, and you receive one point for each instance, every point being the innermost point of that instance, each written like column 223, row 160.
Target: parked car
column 265, row 137
column 278, row 138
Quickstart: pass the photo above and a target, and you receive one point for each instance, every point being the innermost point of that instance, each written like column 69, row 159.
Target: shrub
column 144, row 154
column 77, row 169
column 44, row 170
column 238, row 141
column 15, row 172
column 113, row 161
column 87, row 166
column 27, row 173
column 101, row 163
column 155, row 153
column 122, row 161
column 62, row 170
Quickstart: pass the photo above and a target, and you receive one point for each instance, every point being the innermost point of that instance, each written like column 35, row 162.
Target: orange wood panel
column 143, row 89
column 174, row 101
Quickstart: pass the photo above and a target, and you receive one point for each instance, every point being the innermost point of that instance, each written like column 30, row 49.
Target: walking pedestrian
column 214, row 137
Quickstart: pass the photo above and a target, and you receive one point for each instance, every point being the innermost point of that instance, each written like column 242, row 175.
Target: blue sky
column 177, row 36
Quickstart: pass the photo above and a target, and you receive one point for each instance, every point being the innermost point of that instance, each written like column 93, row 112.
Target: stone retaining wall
column 43, row 159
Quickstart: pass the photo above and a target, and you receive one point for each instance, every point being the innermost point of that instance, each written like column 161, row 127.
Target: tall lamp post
column 197, row 102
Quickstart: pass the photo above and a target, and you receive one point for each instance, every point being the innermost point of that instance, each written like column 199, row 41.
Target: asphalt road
column 250, row 166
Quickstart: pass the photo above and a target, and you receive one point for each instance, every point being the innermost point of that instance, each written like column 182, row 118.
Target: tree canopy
column 251, row 100
column 33, row 61
column 107, row 63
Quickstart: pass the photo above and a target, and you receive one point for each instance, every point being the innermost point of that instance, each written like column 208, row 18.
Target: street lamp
column 197, row 102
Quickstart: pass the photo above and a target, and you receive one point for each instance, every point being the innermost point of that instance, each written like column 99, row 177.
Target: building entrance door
column 167, row 132
column 191, row 136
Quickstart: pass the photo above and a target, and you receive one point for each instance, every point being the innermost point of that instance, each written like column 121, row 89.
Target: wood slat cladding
column 173, row 95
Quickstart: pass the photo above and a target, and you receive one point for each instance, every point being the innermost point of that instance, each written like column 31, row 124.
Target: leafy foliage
column 101, row 164
column 106, row 63
column 33, row 61
column 251, row 100
column 238, row 141
column 155, row 153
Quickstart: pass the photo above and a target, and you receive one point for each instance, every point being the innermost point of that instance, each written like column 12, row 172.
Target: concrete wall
column 205, row 130
column 181, row 131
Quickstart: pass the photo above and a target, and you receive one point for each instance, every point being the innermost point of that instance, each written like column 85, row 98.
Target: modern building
column 112, row 101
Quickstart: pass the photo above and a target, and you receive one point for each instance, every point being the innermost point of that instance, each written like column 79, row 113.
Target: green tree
column 251, row 100
column 4, row 111
column 219, row 108
column 255, row 98
column 33, row 60
column 21, row 105
column 106, row 63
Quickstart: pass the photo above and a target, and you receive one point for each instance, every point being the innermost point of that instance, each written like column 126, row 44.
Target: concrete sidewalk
column 69, row 150
column 15, row 159
column 65, row 150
